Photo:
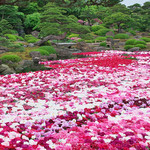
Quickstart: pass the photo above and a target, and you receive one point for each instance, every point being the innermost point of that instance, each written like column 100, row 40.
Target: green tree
column 32, row 21
column 88, row 13
column 118, row 19
column 5, row 27
column 11, row 14
column 53, row 21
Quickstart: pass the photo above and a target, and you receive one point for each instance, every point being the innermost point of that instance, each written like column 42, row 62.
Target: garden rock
column 63, row 52
column 35, row 34
column 34, row 54
column 109, row 42
column 134, row 49
column 110, row 33
column 30, row 45
column 137, row 37
column 84, row 47
column 5, row 69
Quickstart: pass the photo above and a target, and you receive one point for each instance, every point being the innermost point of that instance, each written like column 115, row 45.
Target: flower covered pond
column 101, row 102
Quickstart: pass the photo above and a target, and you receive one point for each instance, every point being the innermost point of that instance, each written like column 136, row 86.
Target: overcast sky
column 132, row 2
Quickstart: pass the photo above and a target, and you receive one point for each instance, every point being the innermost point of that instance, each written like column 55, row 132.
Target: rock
column 134, row 49
column 109, row 42
column 121, row 43
column 30, row 45
column 128, row 33
column 145, row 34
column 35, row 34
column 110, row 33
column 5, row 69
column 52, row 57
column 137, row 37
column 84, row 47
column 100, row 48
column 36, row 60
column 34, row 54
column 23, row 64
column 3, row 49
column 63, row 53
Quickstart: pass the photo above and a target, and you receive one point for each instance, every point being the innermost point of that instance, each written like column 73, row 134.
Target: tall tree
column 118, row 19
column 54, row 22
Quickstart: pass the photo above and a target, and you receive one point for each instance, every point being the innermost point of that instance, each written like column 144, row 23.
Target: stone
column 134, row 49
column 84, row 47
column 110, row 33
column 36, row 60
column 5, row 69
column 52, row 57
column 35, row 34
column 121, row 43
column 30, row 45
column 109, row 42
column 137, row 37
column 34, row 54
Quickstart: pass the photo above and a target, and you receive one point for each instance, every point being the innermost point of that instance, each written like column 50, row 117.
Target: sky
column 132, row 2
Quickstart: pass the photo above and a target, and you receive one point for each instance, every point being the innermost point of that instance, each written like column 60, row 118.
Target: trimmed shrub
column 103, row 44
column 97, row 27
column 121, row 36
column 99, row 39
column 126, row 47
column 4, row 42
column 11, row 37
column 102, row 32
column 140, row 42
column 30, row 39
column 49, row 49
column 81, row 40
column 130, row 42
column 42, row 52
column 16, row 48
column 20, row 38
column 141, row 46
column 88, row 36
column 108, row 36
column 146, row 39
column 13, row 58
column 89, row 41
column 132, row 32
column 73, row 35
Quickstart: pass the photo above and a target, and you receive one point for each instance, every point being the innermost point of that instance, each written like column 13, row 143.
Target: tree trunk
column 50, row 37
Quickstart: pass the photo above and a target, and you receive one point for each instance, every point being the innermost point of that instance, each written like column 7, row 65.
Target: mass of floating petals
column 100, row 102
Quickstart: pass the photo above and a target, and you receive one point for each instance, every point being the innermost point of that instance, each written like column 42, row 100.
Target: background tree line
column 59, row 16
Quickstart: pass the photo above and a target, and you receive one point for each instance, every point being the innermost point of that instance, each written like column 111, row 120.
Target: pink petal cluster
column 101, row 102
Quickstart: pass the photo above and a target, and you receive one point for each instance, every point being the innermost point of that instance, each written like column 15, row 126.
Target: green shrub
column 103, row 44
column 130, row 42
column 100, row 38
column 121, row 36
column 49, row 49
column 47, row 43
column 108, row 36
column 11, row 37
column 73, row 35
column 140, row 42
column 30, row 39
column 141, row 46
column 146, row 39
column 132, row 32
column 102, row 32
column 89, row 41
column 97, row 27
column 126, row 47
column 88, row 36
column 81, row 40
column 13, row 58
column 4, row 41
column 20, row 38
column 42, row 52
column 16, row 48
